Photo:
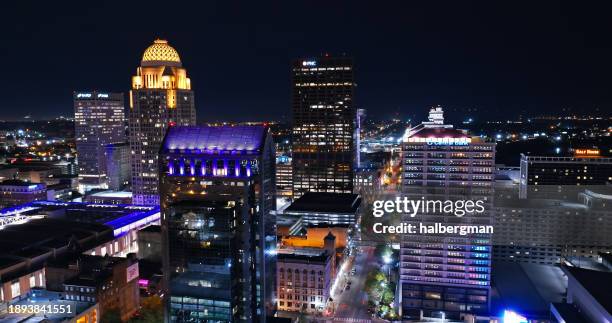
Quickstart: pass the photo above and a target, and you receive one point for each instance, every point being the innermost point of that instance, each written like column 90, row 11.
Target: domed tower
column 161, row 97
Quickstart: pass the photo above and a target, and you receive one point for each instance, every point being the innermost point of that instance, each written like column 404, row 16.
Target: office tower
column 99, row 119
column 361, row 114
column 541, row 175
column 218, row 235
column 284, row 177
column 118, row 165
column 323, row 125
column 161, row 97
column 445, row 275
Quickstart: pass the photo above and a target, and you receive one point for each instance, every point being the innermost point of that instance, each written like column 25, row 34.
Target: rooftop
column 526, row 288
column 210, row 139
column 326, row 202
column 41, row 296
column 160, row 53
column 117, row 216
column 18, row 182
column 597, row 283
column 309, row 255
column 114, row 194
column 440, row 133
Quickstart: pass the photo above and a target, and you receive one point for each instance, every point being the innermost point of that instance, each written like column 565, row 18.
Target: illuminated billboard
column 132, row 272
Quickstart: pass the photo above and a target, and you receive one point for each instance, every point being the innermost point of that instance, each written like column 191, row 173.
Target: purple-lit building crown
column 227, row 151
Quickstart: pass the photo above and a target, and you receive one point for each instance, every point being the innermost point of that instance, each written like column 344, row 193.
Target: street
column 352, row 305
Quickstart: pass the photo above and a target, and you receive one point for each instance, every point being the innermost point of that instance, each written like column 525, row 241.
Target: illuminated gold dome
column 160, row 53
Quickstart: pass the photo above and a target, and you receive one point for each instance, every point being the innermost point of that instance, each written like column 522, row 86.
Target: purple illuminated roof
column 209, row 138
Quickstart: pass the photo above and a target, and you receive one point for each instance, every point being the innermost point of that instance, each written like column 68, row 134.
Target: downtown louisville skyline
column 501, row 59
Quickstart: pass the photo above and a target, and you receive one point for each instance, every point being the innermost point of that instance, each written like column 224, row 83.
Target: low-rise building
column 14, row 192
column 331, row 208
column 109, row 197
column 36, row 233
column 110, row 282
column 588, row 297
column 149, row 243
column 73, row 311
column 304, row 278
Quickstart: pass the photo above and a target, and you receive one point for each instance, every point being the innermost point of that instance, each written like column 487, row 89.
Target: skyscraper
column 218, row 235
column 161, row 97
column 118, row 165
column 99, row 119
column 446, row 275
column 323, row 125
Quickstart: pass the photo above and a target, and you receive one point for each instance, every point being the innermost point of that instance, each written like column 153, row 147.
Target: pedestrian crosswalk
column 341, row 320
column 351, row 319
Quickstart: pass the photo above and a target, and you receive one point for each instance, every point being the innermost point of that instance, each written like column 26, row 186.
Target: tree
column 387, row 297
column 383, row 250
column 152, row 310
column 111, row 316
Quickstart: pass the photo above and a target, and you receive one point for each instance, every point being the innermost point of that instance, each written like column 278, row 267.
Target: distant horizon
column 497, row 58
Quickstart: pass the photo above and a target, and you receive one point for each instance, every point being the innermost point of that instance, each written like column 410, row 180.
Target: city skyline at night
column 306, row 162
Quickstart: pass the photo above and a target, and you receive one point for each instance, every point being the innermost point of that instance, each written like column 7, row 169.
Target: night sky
column 503, row 58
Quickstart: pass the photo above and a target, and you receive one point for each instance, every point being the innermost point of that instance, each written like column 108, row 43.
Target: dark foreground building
column 323, row 125
column 218, row 236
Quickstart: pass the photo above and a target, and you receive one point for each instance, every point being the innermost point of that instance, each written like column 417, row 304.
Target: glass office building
column 219, row 238
column 323, row 125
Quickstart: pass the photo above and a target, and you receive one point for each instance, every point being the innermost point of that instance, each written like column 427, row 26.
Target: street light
column 387, row 259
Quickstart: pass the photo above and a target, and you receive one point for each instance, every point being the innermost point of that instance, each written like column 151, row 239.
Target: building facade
column 284, row 176
column 15, row 192
column 118, row 165
column 316, row 208
column 445, row 275
column 110, row 282
column 568, row 226
column 218, row 234
column 304, row 277
column 161, row 97
column 99, row 120
column 324, row 117
column 544, row 174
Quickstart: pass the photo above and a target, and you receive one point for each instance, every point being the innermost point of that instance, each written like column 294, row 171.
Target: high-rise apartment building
column 218, row 234
column 323, row 125
column 445, row 275
column 161, row 97
column 99, row 119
